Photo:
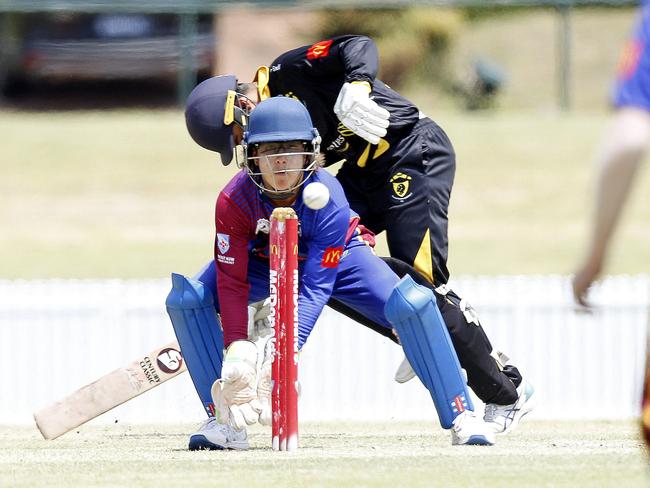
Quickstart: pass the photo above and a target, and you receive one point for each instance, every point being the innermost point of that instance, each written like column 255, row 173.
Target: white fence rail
column 56, row 336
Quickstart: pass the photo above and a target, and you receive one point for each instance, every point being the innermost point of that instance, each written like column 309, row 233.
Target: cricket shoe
column 469, row 430
column 213, row 435
column 504, row 418
column 405, row 372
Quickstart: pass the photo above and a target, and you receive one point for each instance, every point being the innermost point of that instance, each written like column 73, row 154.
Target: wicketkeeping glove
column 235, row 393
column 259, row 326
column 360, row 113
column 265, row 383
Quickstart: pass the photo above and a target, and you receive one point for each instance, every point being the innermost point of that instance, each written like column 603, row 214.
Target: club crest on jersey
column 319, row 50
column 401, row 186
column 331, row 257
column 223, row 243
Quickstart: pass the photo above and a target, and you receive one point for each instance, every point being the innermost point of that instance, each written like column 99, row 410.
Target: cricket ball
column 315, row 195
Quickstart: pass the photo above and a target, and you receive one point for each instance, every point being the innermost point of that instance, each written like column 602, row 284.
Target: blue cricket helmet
column 210, row 110
column 281, row 119
column 278, row 119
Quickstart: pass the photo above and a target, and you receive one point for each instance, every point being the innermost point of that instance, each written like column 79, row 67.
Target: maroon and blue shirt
column 242, row 230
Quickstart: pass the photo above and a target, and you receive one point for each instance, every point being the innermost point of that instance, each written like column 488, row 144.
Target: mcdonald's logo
column 295, row 249
column 319, row 50
column 331, row 257
column 274, row 250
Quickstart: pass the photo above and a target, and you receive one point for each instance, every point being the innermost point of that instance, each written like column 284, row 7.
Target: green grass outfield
column 338, row 455
column 128, row 194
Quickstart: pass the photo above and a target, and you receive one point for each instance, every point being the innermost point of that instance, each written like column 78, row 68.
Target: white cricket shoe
column 212, row 435
column 504, row 418
column 469, row 430
column 404, row 372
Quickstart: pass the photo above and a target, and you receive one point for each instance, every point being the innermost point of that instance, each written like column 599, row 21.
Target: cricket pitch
column 332, row 454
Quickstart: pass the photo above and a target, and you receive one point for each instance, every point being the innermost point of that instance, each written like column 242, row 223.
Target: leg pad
column 412, row 310
column 190, row 306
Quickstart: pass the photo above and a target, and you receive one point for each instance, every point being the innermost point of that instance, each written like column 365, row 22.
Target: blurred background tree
column 414, row 43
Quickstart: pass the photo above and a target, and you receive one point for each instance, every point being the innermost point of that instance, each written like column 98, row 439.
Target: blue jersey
column 242, row 225
column 632, row 87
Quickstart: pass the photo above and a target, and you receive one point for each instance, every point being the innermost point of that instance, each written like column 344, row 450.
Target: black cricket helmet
column 211, row 109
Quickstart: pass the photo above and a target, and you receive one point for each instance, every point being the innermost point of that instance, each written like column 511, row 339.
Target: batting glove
column 359, row 113
column 234, row 394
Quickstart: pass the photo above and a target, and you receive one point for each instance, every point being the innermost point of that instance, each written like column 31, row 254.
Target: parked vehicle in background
column 77, row 46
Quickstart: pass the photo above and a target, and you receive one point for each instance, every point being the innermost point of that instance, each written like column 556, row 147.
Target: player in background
column 622, row 149
column 397, row 175
column 281, row 148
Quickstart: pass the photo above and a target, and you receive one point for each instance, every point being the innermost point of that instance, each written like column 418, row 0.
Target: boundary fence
column 57, row 335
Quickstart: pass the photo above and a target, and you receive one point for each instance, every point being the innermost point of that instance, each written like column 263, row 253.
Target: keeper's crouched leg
column 191, row 308
column 413, row 312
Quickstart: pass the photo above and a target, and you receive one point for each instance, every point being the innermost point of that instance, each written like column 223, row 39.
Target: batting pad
column 413, row 312
column 191, row 309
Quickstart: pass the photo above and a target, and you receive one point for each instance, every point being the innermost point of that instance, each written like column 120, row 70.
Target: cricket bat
column 111, row 390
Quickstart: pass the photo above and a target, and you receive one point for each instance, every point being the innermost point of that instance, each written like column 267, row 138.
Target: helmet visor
column 281, row 167
column 236, row 110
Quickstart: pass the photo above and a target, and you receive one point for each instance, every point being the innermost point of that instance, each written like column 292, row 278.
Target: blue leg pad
column 413, row 312
column 190, row 306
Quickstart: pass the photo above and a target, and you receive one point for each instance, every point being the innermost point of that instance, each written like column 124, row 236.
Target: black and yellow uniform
column 403, row 184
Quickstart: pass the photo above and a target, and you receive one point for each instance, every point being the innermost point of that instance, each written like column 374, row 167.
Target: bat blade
column 109, row 391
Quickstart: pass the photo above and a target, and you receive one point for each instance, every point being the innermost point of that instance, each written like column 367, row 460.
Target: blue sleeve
column 319, row 272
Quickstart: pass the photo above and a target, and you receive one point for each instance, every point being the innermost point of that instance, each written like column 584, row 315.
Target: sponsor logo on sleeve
column 319, row 50
column 331, row 257
column 223, row 243
column 225, row 259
